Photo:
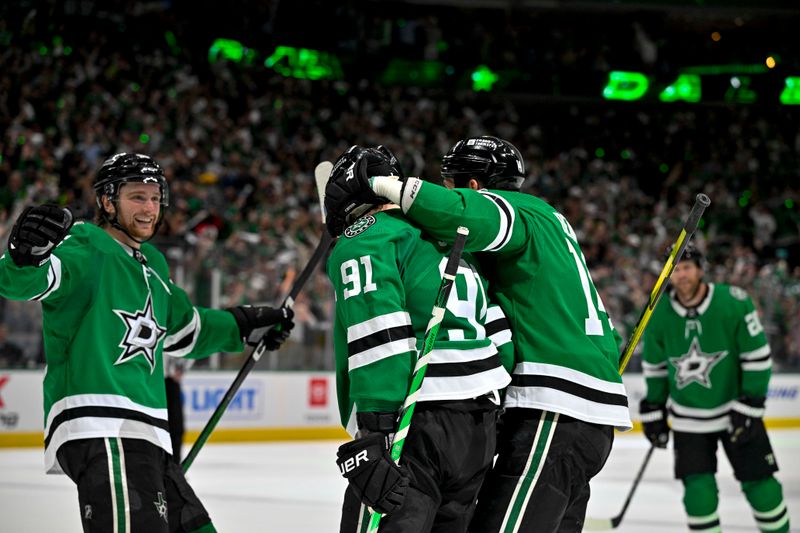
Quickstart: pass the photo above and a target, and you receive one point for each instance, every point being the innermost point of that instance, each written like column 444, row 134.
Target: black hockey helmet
column 343, row 206
column 690, row 253
column 127, row 168
column 494, row 162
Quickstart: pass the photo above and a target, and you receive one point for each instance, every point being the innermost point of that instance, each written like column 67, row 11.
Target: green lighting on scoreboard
column 483, row 78
column 791, row 91
column 304, row 63
column 625, row 85
column 228, row 49
column 686, row 88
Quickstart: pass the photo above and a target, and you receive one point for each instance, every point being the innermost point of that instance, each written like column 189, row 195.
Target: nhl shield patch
column 359, row 226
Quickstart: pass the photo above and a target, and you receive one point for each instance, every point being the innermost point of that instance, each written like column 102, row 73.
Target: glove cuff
column 652, row 416
column 381, row 422
column 752, row 407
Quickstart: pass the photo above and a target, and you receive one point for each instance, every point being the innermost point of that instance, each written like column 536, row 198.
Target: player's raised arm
column 482, row 170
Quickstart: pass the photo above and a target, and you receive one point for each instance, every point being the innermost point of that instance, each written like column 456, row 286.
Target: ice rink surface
column 295, row 487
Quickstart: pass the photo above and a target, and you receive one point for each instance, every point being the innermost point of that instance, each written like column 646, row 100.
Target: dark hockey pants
column 447, row 452
column 131, row 485
column 540, row 481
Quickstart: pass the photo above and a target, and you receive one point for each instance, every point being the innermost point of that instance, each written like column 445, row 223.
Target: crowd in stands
column 239, row 145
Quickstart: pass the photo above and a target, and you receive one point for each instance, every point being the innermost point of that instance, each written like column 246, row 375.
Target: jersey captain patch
column 359, row 226
column 695, row 365
column 142, row 333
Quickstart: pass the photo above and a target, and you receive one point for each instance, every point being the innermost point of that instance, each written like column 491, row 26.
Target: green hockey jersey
column 109, row 314
column 566, row 349
column 386, row 275
column 704, row 358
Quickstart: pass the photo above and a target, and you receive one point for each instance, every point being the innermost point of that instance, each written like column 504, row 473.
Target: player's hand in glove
column 37, row 232
column 250, row 318
column 374, row 477
column 348, row 194
column 654, row 422
column 745, row 416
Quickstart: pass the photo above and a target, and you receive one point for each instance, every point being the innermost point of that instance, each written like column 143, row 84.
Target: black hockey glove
column 37, row 232
column 348, row 193
column 745, row 414
column 654, row 423
column 250, row 318
column 374, row 477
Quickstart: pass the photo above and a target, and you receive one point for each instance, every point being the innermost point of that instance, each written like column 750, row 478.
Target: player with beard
column 110, row 314
column 707, row 361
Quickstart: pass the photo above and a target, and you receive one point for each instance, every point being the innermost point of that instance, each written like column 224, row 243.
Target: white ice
column 282, row 487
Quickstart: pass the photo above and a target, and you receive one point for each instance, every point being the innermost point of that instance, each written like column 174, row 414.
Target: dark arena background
column 623, row 110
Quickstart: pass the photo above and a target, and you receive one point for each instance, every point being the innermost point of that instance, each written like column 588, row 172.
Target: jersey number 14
column 592, row 325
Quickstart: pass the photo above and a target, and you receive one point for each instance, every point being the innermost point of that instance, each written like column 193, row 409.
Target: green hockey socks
column 700, row 499
column 769, row 508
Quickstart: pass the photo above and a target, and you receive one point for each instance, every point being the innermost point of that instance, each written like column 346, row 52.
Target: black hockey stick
column 321, row 174
column 602, row 524
column 701, row 202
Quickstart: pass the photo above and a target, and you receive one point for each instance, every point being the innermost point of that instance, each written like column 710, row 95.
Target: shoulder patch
column 738, row 293
column 359, row 226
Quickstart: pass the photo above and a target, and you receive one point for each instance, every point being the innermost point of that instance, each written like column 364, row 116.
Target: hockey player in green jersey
column 386, row 275
column 110, row 314
column 566, row 394
column 706, row 360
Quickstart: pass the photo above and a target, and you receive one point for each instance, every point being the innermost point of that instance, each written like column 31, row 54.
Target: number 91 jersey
column 386, row 275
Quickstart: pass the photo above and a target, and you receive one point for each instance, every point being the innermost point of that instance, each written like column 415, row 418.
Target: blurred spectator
column 11, row 355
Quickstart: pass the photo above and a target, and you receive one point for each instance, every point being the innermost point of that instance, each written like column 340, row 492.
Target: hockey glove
column 348, row 194
column 374, row 477
column 654, row 422
column 250, row 318
column 745, row 414
column 37, row 232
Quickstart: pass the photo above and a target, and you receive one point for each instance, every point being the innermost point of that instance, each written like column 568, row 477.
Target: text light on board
column 625, row 85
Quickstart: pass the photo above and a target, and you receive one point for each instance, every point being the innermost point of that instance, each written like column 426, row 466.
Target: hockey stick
column 437, row 314
column 701, row 202
column 602, row 524
column 321, row 174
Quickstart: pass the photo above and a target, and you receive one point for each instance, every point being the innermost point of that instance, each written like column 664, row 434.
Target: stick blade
column 598, row 524
column 321, row 174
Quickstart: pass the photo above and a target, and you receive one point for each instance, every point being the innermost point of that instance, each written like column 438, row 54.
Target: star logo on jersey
column 359, row 226
column 161, row 506
column 142, row 334
column 695, row 365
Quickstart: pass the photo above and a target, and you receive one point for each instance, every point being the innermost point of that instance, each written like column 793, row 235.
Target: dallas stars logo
column 161, row 506
column 359, row 226
column 141, row 336
column 695, row 365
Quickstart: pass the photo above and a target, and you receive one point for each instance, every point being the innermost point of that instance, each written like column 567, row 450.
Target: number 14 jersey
column 566, row 349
